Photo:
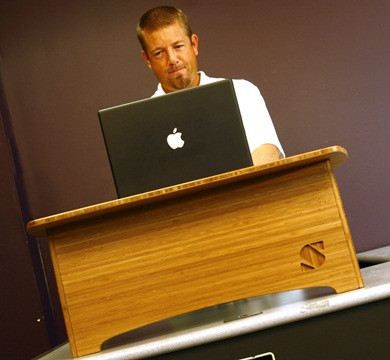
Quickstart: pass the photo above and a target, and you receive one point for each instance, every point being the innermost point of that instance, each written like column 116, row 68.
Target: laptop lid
column 175, row 138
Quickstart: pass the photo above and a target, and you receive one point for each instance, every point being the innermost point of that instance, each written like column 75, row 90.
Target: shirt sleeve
column 258, row 124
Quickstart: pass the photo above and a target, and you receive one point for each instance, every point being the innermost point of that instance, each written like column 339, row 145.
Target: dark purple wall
column 23, row 324
column 322, row 66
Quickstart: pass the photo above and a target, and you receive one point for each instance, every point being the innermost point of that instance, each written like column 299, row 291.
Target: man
column 170, row 49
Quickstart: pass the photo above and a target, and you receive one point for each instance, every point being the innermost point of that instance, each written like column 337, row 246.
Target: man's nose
column 172, row 58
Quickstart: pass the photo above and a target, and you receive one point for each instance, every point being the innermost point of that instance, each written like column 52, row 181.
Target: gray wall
column 322, row 66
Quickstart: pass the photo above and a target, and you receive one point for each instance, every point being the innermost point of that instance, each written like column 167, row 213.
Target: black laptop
column 175, row 138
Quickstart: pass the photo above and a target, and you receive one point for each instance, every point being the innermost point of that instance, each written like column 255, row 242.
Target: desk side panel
column 260, row 236
column 62, row 294
column 344, row 221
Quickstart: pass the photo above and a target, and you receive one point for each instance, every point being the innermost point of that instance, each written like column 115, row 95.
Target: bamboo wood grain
column 128, row 263
column 336, row 154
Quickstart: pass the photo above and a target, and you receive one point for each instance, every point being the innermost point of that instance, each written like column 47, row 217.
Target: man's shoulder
column 244, row 84
column 246, row 90
column 239, row 83
column 204, row 79
column 159, row 91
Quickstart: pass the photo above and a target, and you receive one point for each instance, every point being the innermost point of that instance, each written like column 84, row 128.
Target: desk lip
column 40, row 227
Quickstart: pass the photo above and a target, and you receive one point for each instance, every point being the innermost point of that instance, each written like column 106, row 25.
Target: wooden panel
column 278, row 232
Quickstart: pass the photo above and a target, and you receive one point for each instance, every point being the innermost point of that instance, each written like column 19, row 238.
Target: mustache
column 175, row 68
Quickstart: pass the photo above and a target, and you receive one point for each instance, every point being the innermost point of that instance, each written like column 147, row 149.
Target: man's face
column 172, row 57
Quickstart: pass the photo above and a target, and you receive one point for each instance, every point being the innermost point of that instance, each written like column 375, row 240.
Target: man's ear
column 195, row 43
column 146, row 58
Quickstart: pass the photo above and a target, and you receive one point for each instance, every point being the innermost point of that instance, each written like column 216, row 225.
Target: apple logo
column 174, row 140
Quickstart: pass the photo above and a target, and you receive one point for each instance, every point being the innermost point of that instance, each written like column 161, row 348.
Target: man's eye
column 157, row 54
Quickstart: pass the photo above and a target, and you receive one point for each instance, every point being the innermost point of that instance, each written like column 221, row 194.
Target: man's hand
column 266, row 153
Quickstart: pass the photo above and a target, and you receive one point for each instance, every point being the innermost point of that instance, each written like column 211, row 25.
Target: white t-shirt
column 258, row 124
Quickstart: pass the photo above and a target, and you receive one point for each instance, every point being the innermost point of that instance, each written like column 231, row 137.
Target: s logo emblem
column 312, row 256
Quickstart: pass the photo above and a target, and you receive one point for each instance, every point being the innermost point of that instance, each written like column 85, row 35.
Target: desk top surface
column 336, row 154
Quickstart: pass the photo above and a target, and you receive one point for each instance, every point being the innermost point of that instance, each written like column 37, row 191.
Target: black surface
column 209, row 119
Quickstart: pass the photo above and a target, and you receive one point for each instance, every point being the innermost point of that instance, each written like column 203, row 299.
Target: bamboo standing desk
column 133, row 261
